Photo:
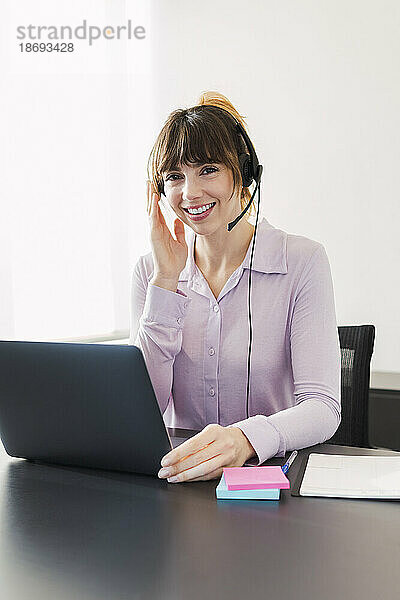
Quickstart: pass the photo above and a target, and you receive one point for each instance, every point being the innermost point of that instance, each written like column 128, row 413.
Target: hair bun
column 217, row 99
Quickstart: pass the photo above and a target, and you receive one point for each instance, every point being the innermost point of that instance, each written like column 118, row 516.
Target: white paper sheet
column 343, row 476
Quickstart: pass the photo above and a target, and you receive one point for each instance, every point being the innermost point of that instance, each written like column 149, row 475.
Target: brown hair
column 200, row 134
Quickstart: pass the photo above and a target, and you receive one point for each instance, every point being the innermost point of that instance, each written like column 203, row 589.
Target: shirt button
column 185, row 304
column 211, row 391
column 211, row 351
column 179, row 319
column 216, row 308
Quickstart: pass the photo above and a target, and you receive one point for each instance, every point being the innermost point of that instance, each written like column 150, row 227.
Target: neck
column 223, row 250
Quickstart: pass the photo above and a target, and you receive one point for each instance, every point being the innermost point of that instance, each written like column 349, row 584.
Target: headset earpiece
column 246, row 169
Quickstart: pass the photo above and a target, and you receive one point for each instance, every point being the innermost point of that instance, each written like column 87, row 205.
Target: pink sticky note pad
column 255, row 478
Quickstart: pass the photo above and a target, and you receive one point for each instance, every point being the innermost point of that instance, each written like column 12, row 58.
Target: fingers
column 194, row 444
column 179, row 230
column 192, row 460
column 152, row 200
column 155, row 213
column 149, row 197
column 213, row 475
column 154, row 207
column 201, row 471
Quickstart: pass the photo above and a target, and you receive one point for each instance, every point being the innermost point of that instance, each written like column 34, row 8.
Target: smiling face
column 202, row 196
column 195, row 162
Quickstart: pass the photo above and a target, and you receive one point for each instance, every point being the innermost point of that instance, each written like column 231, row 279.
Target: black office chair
column 356, row 346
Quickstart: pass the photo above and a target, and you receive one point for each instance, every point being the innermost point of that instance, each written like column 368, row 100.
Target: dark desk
column 72, row 533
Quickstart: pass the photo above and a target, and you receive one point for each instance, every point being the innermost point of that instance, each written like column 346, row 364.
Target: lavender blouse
column 195, row 346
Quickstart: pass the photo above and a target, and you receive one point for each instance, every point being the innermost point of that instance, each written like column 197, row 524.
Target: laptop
column 88, row 405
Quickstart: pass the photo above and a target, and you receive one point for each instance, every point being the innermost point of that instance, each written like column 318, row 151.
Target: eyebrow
column 196, row 164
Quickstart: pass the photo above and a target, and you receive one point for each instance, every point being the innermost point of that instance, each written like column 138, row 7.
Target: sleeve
column 156, row 323
column 316, row 366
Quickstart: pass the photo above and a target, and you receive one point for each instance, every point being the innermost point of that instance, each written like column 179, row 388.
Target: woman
column 189, row 301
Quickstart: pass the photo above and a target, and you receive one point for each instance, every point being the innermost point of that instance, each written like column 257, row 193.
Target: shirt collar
column 269, row 251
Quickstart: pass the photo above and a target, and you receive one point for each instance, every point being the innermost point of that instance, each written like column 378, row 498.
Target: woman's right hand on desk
column 169, row 255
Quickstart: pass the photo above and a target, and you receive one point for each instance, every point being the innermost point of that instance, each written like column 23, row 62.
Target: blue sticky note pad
column 223, row 493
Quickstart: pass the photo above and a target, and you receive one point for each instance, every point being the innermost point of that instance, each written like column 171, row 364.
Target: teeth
column 198, row 211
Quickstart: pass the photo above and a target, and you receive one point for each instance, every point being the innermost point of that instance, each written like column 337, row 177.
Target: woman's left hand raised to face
column 204, row 456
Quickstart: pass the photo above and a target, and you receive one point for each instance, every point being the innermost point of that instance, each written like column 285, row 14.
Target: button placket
column 212, row 342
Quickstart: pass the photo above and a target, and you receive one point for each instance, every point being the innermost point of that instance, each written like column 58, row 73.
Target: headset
column 250, row 170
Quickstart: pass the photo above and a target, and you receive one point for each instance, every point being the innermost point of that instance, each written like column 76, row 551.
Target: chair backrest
column 356, row 346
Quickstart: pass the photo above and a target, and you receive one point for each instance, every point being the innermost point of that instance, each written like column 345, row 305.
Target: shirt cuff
column 165, row 307
column 262, row 436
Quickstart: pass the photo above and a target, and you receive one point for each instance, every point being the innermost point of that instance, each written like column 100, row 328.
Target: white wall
column 318, row 81
column 72, row 129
